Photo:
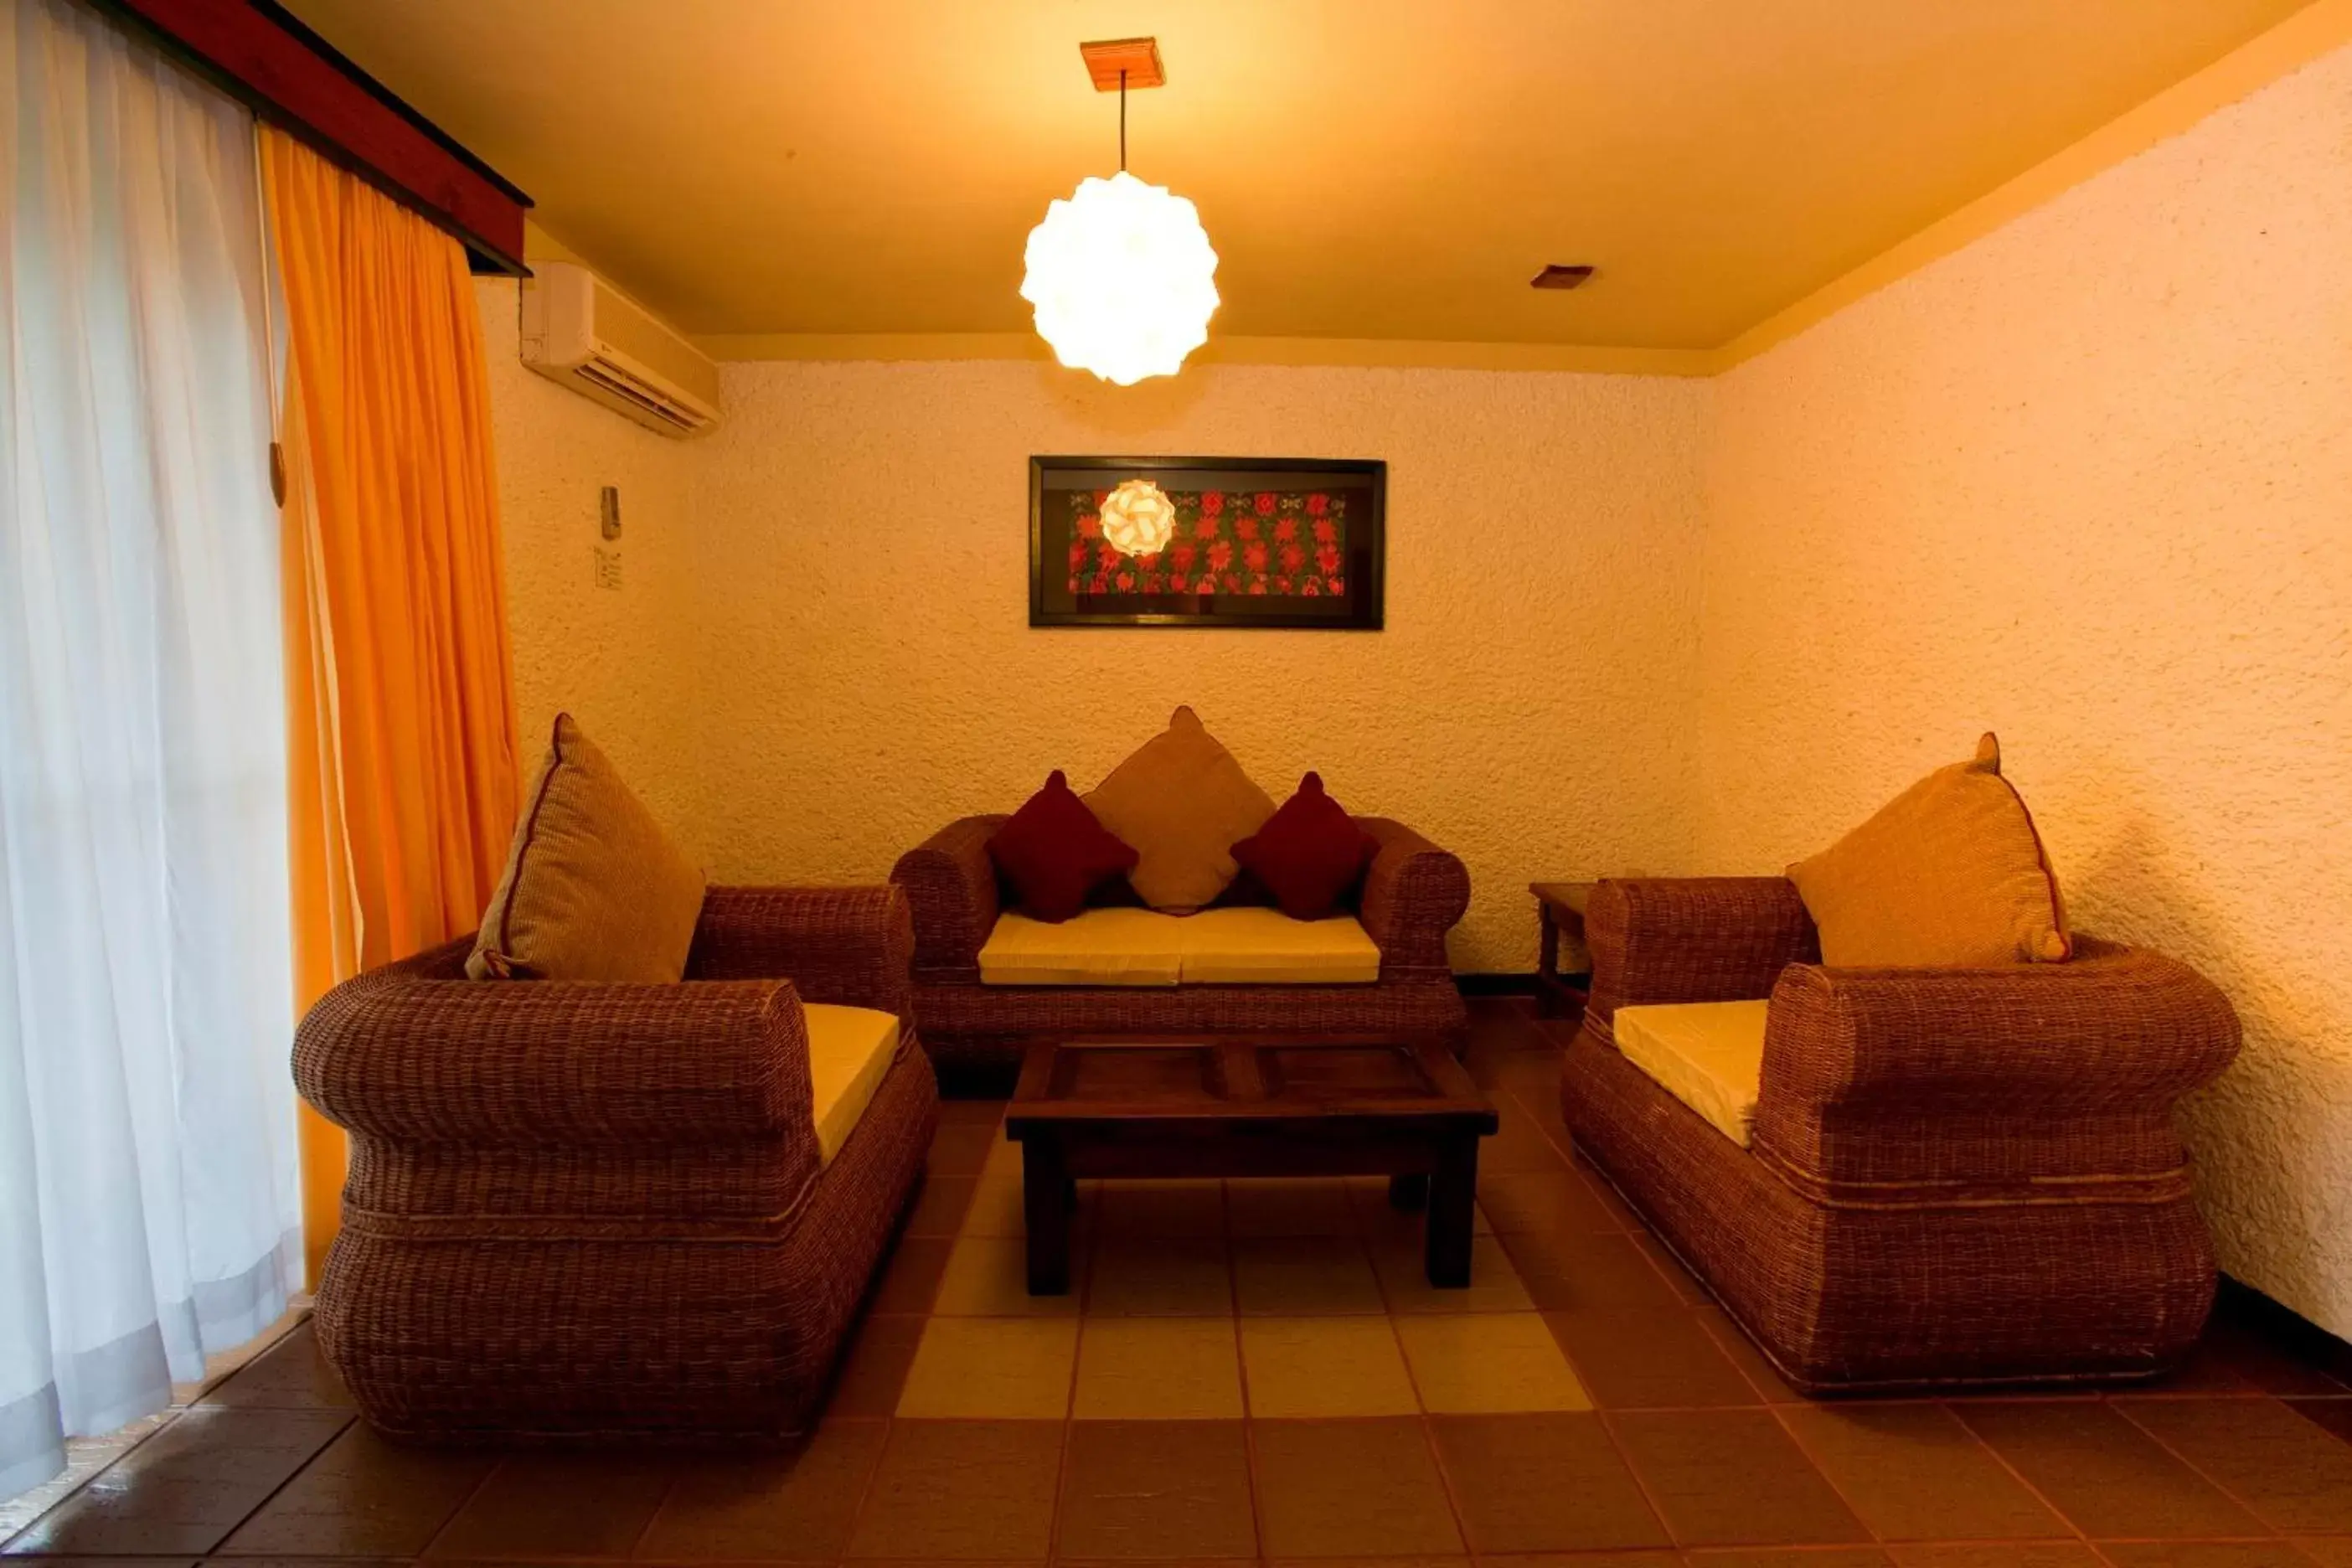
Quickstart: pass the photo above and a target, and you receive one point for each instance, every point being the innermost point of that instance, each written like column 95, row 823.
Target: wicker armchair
column 1954, row 1177
column 585, row 1212
column 1412, row 895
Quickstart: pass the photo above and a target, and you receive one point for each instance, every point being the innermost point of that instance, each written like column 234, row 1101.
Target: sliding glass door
column 149, row 1204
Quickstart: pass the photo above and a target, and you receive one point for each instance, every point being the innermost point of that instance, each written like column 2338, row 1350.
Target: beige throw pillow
column 1949, row 873
column 594, row 889
column 1180, row 803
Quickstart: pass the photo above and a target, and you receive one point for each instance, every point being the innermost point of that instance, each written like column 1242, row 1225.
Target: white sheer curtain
column 149, row 1202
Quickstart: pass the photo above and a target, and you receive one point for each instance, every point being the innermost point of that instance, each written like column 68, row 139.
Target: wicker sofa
column 587, row 1212
column 1412, row 896
column 1954, row 1176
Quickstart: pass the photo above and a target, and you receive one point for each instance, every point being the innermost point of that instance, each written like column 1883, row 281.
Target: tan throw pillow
column 594, row 889
column 1949, row 873
column 1182, row 803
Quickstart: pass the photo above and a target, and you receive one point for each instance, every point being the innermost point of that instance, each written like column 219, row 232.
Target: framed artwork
column 1206, row 541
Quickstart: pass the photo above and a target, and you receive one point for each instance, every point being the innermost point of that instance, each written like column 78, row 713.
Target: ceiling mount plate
column 1139, row 58
column 1557, row 276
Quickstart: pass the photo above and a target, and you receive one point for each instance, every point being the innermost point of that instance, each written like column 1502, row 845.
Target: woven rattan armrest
column 950, row 883
column 2116, row 1028
column 1414, row 894
column 1692, row 939
column 845, row 945
column 2032, row 1083
column 548, row 1063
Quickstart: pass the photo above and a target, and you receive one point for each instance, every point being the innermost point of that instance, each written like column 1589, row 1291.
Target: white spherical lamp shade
column 1138, row 518
column 1122, row 279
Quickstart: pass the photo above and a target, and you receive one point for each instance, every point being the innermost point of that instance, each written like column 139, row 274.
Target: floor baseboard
column 1505, row 984
column 2283, row 1326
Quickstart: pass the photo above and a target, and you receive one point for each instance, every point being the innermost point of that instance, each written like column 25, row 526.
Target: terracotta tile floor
column 1256, row 1372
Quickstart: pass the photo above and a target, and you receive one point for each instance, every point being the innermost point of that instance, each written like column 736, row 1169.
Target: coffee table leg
column 1452, row 1191
column 1046, row 1192
column 1409, row 1191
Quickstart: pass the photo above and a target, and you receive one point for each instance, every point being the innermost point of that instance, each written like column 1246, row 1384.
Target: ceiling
column 1374, row 169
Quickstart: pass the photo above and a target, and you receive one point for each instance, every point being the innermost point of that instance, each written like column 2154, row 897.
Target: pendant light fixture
column 1120, row 273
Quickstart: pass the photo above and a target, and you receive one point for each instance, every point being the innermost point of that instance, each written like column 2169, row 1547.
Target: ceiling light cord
column 1122, row 123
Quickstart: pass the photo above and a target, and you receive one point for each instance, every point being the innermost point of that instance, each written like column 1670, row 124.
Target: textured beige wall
column 868, row 672
column 622, row 662
column 2083, row 481
column 2086, row 482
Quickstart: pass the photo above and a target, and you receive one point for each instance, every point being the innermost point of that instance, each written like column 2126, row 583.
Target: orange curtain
column 400, row 685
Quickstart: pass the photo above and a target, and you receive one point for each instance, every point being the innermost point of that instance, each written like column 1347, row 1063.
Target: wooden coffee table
column 1258, row 1105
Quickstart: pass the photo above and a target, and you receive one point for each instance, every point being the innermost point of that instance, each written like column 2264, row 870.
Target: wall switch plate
column 608, row 569
column 608, row 511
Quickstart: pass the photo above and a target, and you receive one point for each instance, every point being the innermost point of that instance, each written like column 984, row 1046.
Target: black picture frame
column 1350, row 493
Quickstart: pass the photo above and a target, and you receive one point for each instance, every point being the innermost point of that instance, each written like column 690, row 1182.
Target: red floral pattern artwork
column 1225, row 543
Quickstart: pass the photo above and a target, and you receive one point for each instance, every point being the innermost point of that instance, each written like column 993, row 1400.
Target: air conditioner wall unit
column 580, row 330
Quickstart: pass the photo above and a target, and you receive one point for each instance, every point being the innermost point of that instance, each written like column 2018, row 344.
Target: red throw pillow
column 1310, row 854
column 1054, row 853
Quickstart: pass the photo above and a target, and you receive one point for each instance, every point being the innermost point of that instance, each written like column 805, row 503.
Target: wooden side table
column 1560, row 906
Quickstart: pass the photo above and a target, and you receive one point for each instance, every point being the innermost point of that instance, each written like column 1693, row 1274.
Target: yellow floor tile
column 1003, row 1158
column 995, row 1207
column 1305, row 1277
column 1157, row 1369
column 1010, row 1369
column 1160, row 1276
column 1495, row 1286
column 1309, row 1207
column 988, row 1276
column 1488, row 1364
column 1325, row 1366
column 1376, row 1217
column 1163, row 1209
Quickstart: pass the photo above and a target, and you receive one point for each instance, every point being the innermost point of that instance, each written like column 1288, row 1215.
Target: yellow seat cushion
column 850, row 1050
column 1100, row 947
column 1708, row 1055
column 1949, row 873
column 1253, row 946
column 1239, row 946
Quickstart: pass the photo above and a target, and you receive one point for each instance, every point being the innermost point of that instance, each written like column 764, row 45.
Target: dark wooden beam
column 259, row 52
